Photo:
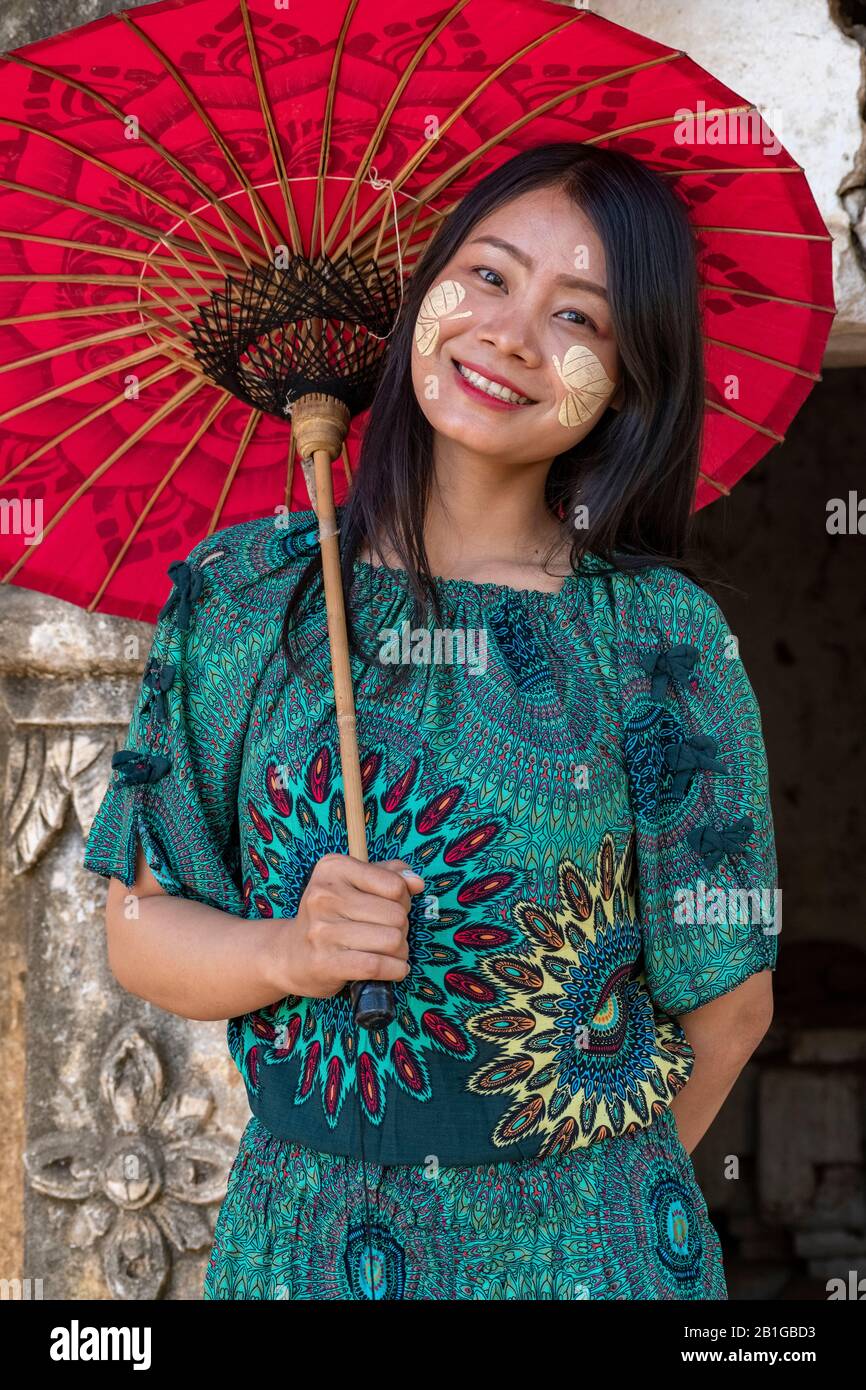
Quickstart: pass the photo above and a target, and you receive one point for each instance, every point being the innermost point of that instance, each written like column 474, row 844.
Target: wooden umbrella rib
column 127, row 306
column 148, row 287
column 190, row 269
column 403, row 238
column 230, row 216
column 131, row 361
column 167, row 204
column 743, row 420
column 252, row 424
column 347, row 466
column 763, row 231
column 121, row 253
column 419, row 223
column 759, row 294
column 290, row 468
column 151, row 289
column 726, row 169
column 714, row 482
column 82, row 423
column 663, row 120
column 271, row 132
column 761, row 357
column 373, row 143
column 413, row 163
column 324, row 146
column 158, row 416
column 112, row 335
column 259, row 207
column 449, row 175
column 98, row 214
column 221, row 404
column 113, row 280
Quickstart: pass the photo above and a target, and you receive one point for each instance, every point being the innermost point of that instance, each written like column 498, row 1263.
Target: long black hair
column 636, row 471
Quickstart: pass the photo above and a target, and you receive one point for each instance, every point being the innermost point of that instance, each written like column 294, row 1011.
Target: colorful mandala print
column 609, row 754
column 581, row 1048
column 623, row 1219
column 446, row 941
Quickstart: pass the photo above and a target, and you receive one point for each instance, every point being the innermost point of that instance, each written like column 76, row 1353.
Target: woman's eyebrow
column 571, row 282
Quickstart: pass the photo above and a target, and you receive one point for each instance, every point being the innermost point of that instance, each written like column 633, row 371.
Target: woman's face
column 523, row 303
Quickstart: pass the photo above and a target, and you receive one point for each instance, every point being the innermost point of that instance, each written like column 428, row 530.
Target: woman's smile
column 491, row 390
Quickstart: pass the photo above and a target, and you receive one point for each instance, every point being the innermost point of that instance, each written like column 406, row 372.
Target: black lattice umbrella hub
column 317, row 325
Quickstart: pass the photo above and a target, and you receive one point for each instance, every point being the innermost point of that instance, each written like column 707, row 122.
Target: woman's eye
column 581, row 318
column 483, row 270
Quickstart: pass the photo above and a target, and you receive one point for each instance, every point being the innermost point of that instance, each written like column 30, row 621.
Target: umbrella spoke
column 154, row 496
column 761, row 294
column 141, row 229
column 260, row 211
column 125, row 253
column 85, row 420
column 744, row 420
column 373, row 143
column 179, row 398
column 280, row 169
column 76, row 344
column 108, row 370
column 449, row 175
column 191, row 219
column 761, row 357
column 227, row 212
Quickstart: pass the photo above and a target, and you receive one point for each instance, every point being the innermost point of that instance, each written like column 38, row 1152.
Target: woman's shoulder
column 654, row 604
column 229, row 594
column 252, row 560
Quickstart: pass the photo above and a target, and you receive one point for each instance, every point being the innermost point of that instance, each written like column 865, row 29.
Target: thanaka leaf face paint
column 587, row 384
column 438, row 303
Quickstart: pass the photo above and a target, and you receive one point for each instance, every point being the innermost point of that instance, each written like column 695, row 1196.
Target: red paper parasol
column 148, row 156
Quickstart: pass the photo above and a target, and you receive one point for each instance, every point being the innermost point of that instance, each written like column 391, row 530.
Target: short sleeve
column 174, row 786
column 693, row 744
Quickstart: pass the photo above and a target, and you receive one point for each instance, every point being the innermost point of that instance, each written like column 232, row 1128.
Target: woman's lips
column 477, row 395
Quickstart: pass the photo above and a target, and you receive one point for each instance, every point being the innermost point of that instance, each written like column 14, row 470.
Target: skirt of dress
column 623, row 1218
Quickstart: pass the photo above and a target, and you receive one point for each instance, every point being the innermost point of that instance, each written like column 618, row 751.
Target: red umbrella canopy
column 148, row 156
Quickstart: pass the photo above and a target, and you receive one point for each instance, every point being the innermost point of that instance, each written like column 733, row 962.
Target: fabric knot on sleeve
column 188, row 583
column 712, row 845
column 135, row 767
column 674, row 663
column 157, row 679
column 685, row 757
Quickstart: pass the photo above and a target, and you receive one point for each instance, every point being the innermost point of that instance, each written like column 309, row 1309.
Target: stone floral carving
column 141, row 1187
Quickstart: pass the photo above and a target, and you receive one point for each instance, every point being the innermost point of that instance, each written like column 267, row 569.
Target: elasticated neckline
column 484, row 592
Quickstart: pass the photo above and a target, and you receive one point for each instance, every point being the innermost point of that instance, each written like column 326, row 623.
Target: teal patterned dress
column 580, row 778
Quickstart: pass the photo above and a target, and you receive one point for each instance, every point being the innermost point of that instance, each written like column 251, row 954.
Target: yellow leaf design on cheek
column 442, row 300
column 587, row 383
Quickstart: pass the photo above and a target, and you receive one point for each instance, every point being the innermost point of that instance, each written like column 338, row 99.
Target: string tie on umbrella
column 135, row 767
column 158, row 677
column 675, row 663
column 376, row 182
column 685, row 757
column 188, row 584
column 712, row 845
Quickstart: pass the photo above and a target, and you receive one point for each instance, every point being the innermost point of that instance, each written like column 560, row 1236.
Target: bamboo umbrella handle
column 350, row 761
column 320, row 423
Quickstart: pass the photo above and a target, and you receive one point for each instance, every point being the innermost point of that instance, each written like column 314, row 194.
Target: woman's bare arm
column 188, row 958
column 724, row 1034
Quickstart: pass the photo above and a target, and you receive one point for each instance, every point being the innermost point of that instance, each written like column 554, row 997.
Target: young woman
column 568, row 818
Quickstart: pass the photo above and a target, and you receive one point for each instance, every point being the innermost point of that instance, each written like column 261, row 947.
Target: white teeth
column 492, row 388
